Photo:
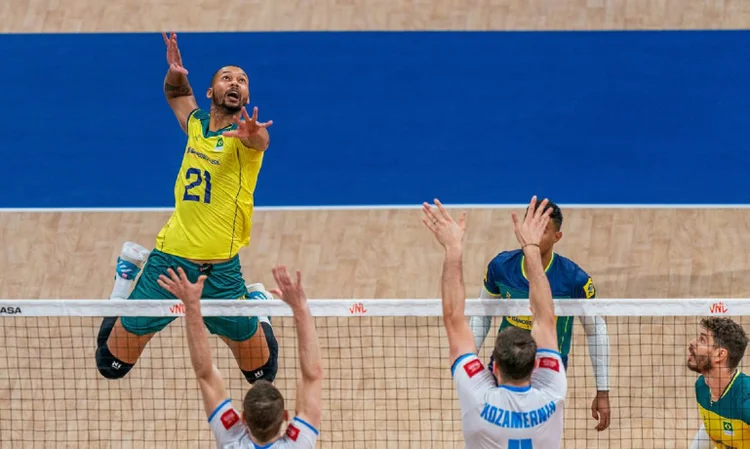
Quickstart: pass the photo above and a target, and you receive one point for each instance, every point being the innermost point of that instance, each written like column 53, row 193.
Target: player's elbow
column 206, row 373
column 313, row 374
column 454, row 320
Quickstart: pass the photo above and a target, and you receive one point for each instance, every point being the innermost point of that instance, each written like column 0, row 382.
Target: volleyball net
column 387, row 373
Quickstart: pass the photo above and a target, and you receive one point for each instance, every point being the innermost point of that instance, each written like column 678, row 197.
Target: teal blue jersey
column 506, row 278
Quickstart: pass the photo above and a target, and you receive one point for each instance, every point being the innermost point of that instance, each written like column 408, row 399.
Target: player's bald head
column 227, row 70
column 263, row 411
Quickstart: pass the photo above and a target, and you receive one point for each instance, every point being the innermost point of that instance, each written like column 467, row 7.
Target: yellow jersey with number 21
column 213, row 195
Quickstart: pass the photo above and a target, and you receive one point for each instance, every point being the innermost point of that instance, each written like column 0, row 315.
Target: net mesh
column 387, row 378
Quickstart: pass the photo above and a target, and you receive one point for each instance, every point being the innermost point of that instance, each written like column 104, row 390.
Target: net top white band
column 372, row 307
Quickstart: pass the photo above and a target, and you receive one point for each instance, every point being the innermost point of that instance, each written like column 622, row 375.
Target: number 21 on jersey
column 519, row 444
column 197, row 178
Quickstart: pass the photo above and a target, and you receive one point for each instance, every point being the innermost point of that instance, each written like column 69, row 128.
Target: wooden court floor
column 388, row 382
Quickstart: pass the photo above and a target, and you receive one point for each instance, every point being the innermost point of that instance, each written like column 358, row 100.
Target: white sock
column 122, row 288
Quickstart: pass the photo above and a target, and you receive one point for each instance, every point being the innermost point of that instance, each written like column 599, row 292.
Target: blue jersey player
column 506, row 278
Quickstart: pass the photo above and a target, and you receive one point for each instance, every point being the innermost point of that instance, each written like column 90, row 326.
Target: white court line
column 383, row 207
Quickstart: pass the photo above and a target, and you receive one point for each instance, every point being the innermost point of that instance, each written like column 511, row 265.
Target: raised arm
column 310, row 385
column 450, row 235
column 209, row 377
column 529, row 232
column 176, row 86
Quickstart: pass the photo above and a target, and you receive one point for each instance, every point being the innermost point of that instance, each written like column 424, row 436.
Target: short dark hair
column 264, row 411
column 221, row 69
column 556, row 216
column 514, row 353
column 727, row 335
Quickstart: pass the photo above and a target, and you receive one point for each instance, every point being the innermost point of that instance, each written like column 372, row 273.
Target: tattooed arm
column 176, row 86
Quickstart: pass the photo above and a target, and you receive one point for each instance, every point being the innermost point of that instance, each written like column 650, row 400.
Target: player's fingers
column 255, row 114
column 443, row 212
column 514, row 216
column 428, row 212
column 283, row 277
column 299, row 278
column 172, row 275
column 541, row 208
column 430, row 225
column 245, row 115
column 182, row 276
column 230, row 133
column 543, row 222
column 276, row 274
column 165, row 283
column 201, row 279
column 276, row 293
column 166, row 39
column 266, row 124
column 462, row 221
column 532, row 207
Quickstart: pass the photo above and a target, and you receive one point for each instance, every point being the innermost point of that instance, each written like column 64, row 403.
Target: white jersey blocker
column 231, row 433
column 508, row 417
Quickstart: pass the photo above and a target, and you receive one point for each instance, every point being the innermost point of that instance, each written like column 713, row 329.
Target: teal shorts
column 224, row 282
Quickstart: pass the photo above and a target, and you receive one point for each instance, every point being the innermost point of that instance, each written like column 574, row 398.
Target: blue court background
column 391, row 118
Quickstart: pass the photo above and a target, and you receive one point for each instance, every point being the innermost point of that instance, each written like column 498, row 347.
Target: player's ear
column 558, row 236
column 210, row 93
column 286, row 415
column 721, row 355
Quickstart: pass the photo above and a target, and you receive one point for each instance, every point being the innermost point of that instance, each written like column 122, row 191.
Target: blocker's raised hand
column 447, row 232
column 531, row 229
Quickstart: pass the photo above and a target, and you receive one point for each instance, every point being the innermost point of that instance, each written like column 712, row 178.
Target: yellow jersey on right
column 727, row 420
column 213, row 195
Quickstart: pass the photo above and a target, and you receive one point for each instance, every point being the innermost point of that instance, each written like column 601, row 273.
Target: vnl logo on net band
column 718, row 307
column 10, row 310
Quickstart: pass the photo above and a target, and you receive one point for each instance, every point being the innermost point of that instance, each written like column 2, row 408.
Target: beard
column 221, row 103
column 699, row 364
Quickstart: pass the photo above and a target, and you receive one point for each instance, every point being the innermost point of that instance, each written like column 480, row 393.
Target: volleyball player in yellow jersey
column 211, row 221
column 722, row 389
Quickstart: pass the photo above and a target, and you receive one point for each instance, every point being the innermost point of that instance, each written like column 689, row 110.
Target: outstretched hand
column 179, row 285
column 447, row 232
column 174, row 59
column 290, row 292
column 247, row 126
column 531, row 229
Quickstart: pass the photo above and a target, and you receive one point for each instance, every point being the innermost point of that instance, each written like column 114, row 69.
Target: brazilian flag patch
column 728, row 429
column 589, row 289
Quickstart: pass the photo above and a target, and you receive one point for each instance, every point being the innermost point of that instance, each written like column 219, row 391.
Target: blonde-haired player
column 525, row 409
column 211, row 222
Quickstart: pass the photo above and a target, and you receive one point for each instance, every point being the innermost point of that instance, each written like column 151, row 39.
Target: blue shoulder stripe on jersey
column 549, row 351
column 256, row 446
column 515, row 389
column 309, row 426
column 461, row 357
column 216, row 410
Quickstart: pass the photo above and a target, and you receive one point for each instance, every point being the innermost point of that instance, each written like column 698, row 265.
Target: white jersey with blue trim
column 507, row 417
column 232, row 433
